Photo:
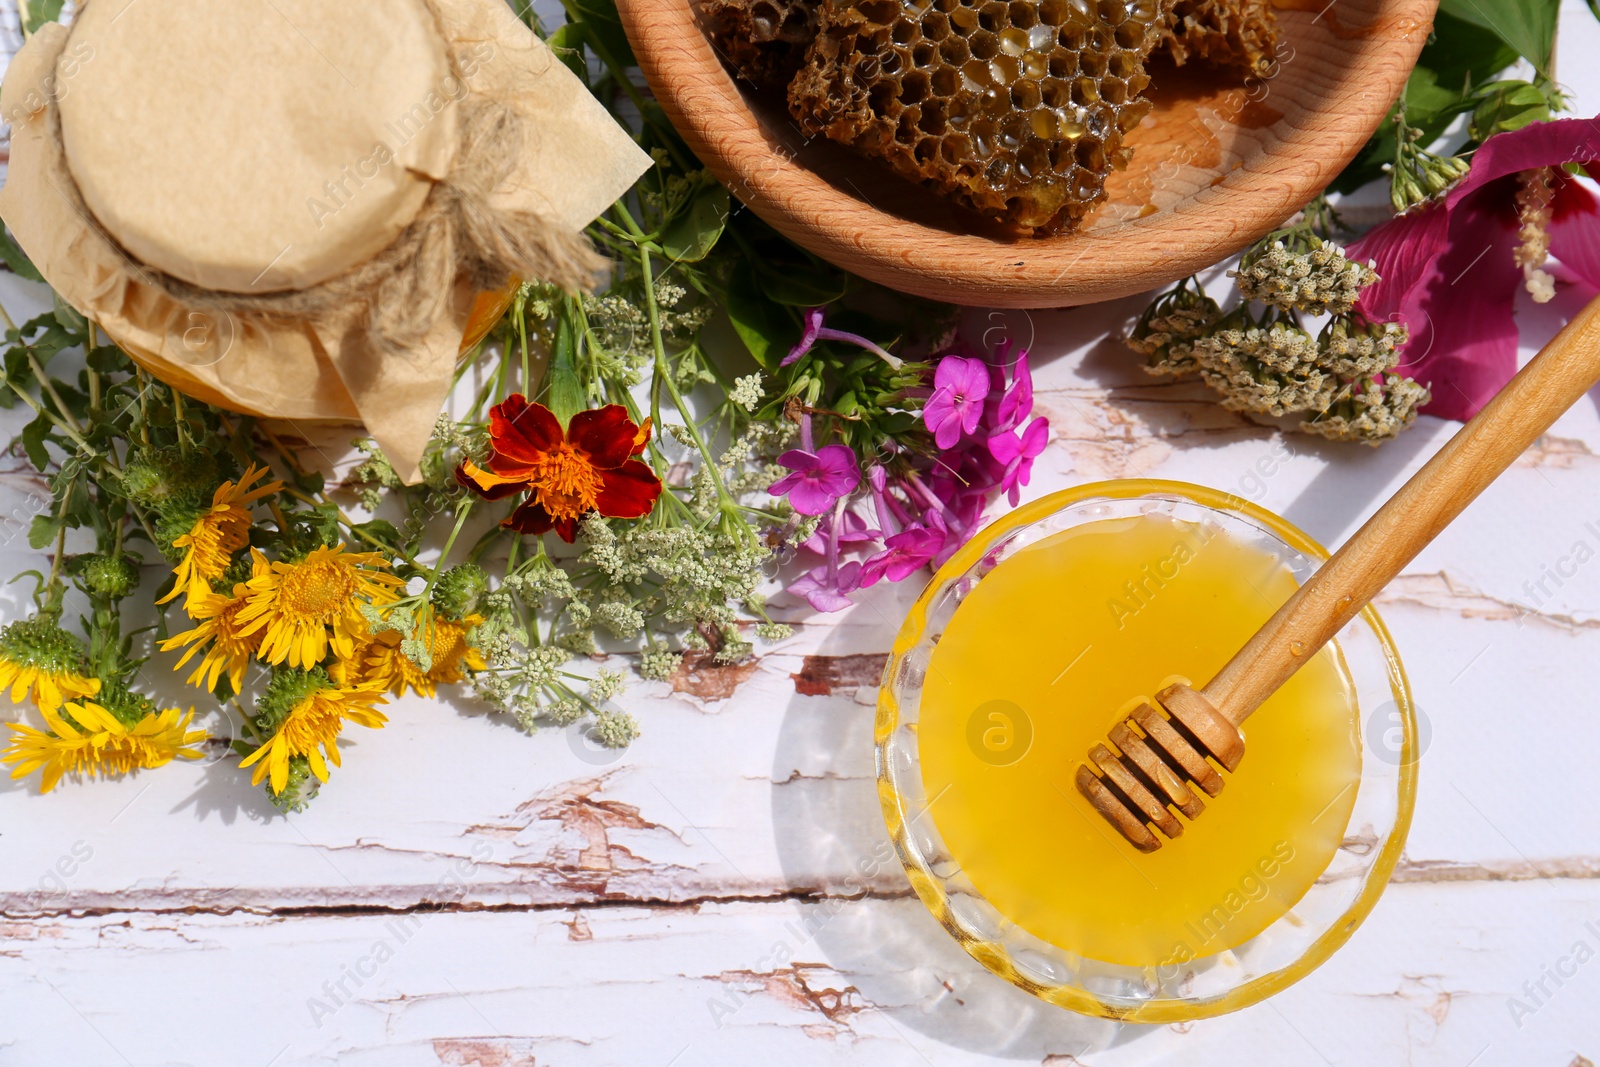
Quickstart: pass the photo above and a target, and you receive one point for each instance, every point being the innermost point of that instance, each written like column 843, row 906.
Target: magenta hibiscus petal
column 1402, row 251
column 1449, row 274
column 1575, row 232
column 1464, row 332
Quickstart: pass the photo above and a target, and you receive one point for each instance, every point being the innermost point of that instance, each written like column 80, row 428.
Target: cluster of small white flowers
column 614, row 728
column 680, row 433
column 747, row 391
column 622, row 327
column 544, row 579
column 774, row 631
column 603, row 548
column 659, row 664
column 607, row 684
column 620, row 618
column 1318, row 280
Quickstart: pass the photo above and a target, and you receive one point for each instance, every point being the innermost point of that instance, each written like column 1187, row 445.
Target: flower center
column 310, row 725
column 316, row 591
column 565, row 482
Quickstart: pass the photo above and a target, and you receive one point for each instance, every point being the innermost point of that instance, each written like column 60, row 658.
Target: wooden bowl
column 1216, row 165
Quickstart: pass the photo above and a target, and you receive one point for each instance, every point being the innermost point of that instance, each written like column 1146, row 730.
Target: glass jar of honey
column 1037, row 637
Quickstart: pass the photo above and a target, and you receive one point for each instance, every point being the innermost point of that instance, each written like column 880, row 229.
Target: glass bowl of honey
column 1038, row 636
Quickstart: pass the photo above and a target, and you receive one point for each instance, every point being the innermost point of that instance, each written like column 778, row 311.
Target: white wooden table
column 465, row 895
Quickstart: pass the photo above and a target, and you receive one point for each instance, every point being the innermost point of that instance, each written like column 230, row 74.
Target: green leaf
column 567, row 43
column 381, row 530
column 33, row 436
column 1459, row 56
column 1529, row 26
column 17, row 259
column 1507, row 106
column 42, row 531
column 693, row 233
column 766, row 330
column 43, row 11
column 604, row 26
column 107, row 359
column 802, row 285
column 70, row 318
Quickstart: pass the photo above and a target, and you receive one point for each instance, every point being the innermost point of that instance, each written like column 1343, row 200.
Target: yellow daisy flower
column 217, row 535
column 312, row 728
column 37, row 655
column 99, row 743
column 352, row 671
column 296, row 604
column 388, row 666
column 227, row 649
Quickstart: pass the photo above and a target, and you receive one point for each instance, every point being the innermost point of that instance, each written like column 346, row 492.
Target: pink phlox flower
column 1018, row 452
column 818, row 479
column 960, row 386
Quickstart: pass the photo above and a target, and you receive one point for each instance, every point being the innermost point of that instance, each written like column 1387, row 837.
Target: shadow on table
column 830, row 835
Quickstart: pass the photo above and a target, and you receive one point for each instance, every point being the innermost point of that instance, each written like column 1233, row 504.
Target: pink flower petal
column 1463, row 332
column 1403, row 249
column 1575, row 231
column 1543, row 144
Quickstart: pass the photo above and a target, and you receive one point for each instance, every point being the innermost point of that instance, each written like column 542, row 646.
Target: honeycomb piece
column 1242, row 34
column 763, row 40
column 1016, row 109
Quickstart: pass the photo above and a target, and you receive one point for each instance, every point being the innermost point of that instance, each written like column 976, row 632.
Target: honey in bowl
column 1034, row 666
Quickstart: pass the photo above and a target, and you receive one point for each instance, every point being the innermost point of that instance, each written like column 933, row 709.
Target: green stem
column 444, row 553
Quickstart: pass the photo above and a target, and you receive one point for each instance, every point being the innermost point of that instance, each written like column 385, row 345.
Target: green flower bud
column 301, row 789
column 112, row 576
column 162, row 479
column 42, row 643
column 288, row 687
column 130, row 708
column 460, row 590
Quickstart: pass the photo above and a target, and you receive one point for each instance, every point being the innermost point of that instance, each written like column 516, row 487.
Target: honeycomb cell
column 1242, row 34
column 764, row 40
column 1015, row 108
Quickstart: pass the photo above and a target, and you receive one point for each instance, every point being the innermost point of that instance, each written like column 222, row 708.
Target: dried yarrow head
column 1268, row 369
column 1371, row 411
column 1017, row 110
column 1302, row 272
column 1166, row 332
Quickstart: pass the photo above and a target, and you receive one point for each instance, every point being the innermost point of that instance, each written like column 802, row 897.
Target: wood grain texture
column 1215, row 166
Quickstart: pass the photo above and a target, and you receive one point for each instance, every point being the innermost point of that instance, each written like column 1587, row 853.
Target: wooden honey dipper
column 1155, row 760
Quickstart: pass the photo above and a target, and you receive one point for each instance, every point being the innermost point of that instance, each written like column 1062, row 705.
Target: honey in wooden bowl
column 1213, row 166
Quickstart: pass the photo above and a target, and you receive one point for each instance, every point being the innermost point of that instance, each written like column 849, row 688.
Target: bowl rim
column 755, row 157
column 1155, row 1010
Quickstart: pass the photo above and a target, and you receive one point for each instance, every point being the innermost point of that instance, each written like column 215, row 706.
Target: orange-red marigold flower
column 589, row 467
